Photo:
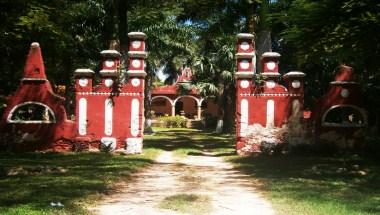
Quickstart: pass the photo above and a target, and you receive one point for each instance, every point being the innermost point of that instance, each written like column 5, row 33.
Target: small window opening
column 32, row 113
column 345, row 116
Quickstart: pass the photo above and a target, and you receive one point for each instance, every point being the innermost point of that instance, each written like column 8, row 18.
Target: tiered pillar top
column 269, row 64
column 34, row 67
column 245, row 56
column 137, row 54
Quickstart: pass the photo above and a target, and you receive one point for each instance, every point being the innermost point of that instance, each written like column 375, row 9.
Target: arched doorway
column 162, row 105
column 188, row 106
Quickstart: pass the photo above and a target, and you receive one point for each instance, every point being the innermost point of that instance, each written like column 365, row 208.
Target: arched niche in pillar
column 344, row 116
column 31, row 112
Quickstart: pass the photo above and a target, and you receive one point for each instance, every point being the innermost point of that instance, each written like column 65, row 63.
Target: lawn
column 313, row 185
column 184, row 141
column 35, row 183
column 307, row 185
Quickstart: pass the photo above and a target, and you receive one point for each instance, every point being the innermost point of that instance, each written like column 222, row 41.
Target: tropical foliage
column 311, row 36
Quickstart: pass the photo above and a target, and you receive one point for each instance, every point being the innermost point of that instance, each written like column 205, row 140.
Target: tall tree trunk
column 250, row 18
column 229, row 109
column 147, row 99
column 123, row 26
column 221, row 106
column 109, row 24
column 250, row 24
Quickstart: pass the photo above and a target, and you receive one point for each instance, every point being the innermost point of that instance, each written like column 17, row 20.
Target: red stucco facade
column 166, row 100
column 261, row 99
column 35, row 91
column 108, row 115
column 339, row 115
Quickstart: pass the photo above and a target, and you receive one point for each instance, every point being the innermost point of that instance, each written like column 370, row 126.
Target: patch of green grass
column 187, row 203
column 29, row 182
column 296, row 185
column 316, row 185
column 184, row 141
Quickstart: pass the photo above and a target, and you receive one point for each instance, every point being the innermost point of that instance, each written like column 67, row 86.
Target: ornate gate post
column 267, row 113
column 136, row 78
column 110, row 114
column 245, row 59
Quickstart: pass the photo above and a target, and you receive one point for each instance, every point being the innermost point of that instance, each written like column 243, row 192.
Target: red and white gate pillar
column 136, row 77
column 245, row 59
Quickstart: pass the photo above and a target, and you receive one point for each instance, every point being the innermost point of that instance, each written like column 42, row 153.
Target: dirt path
column 231, row 192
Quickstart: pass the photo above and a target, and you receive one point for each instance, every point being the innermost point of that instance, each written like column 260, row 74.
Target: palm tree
column 169, row 44
column 214, row 73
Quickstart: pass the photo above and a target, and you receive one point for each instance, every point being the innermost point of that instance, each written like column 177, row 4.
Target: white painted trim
column 108, row 72
column 249, row 55
column 9, row 118
column 109, row 142
column 270, row 74
column 34, row 45
column 34, row 79
column 137, row 35
column 245, row 36
column 296, row 108
column 136, row 73
column 138, row 54
column 244, row 111
column 82, row 116
column 83, row 72
column 343, row 82
column 270, row 114
column 134, row 145
column 108, row 94
column 294, row 74
column 271, row 94
column 348, row 125
column 244, row 74
column 195, row 98
column 164, row 97
column 135, row 124
column 201, row 101
column 108, row 109
column 110, row 53
column 270, row 54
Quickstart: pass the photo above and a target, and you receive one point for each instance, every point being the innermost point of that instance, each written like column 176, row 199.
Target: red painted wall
column 344, row 91
column 125, row 127
column 35, row 88
column 126, row 101
column 252, row 97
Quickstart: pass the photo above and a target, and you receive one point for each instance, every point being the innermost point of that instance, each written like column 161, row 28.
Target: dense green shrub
column 210, row 121
column 173, row 121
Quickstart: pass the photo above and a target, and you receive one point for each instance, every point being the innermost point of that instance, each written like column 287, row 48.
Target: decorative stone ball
column 135, row 82
column 83, row 82
column 109, row 63
column 136, row 44
column 136, row 63
column 271, row 65
column 244, row 84
column 296, row 84
column 270, row 84
column 345, row 93
column 244, row 46
column 108, row 82
column 244, row 64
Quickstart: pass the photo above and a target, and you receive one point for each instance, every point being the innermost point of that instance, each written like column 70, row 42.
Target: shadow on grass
column 191, row 141
column 29, row 182
column 316, row 184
